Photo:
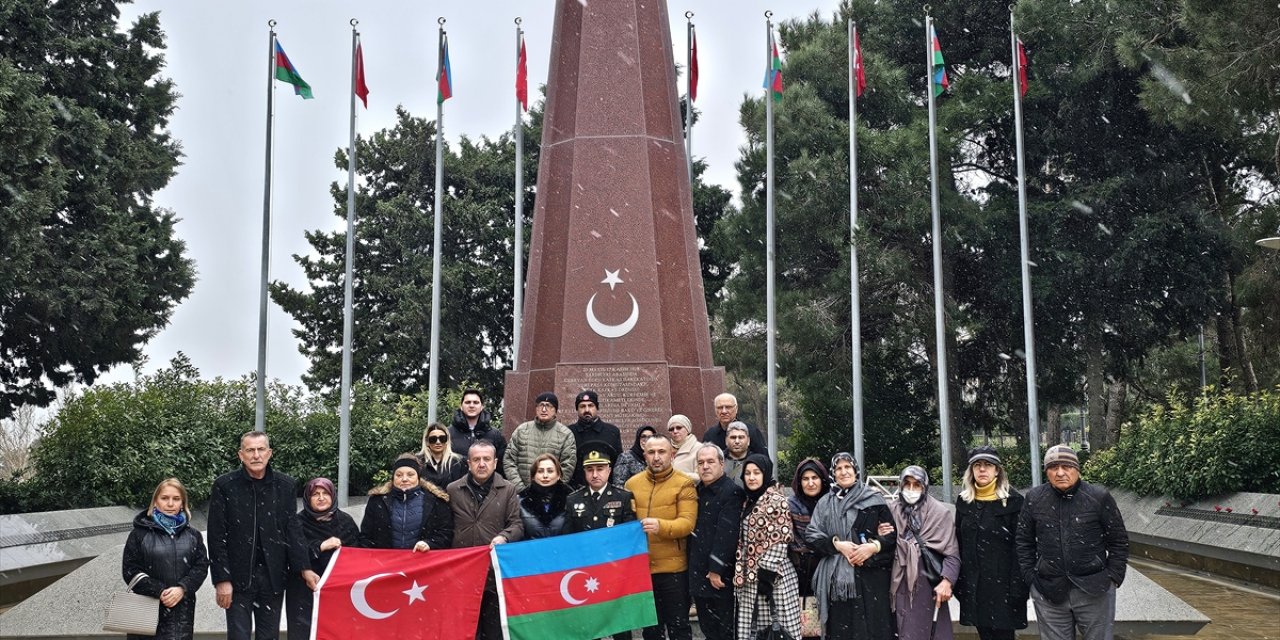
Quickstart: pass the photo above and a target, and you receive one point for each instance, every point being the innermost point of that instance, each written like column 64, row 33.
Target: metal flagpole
column 344, row 420
column 433, row 378
column 517, row 287
column 260, row 410
column 772, row 328
column 939, row 325
column 1028, row 327
column 688, row 83
column 856, row 311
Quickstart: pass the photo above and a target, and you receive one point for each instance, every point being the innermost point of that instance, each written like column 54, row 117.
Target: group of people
column 724, row 538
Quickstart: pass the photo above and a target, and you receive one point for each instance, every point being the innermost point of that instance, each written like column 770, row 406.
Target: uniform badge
column 609, row 522
column 613, row 504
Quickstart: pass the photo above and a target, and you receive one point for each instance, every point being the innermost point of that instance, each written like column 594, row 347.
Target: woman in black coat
column 173, row 557
column 440, row 464
column 992, row 595
column 323, row 529
column 852, row 578
column 543, row 502
column 407, row 512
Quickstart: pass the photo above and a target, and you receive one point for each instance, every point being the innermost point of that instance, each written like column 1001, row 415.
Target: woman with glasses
column 631, row 461
column 681, row 429
column 440, row 464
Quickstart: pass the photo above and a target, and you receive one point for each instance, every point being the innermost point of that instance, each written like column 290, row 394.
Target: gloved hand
column 765, row 580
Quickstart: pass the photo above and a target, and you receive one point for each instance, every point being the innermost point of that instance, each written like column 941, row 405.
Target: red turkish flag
column 390, row 593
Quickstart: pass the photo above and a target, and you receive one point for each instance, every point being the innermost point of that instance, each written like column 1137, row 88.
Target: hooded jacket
column 177, row 560
column 461, row 435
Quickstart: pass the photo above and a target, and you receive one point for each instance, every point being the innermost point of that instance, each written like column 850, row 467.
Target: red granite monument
column 614, row 298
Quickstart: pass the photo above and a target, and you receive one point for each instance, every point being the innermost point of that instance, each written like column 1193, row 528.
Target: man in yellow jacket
column 666, row 502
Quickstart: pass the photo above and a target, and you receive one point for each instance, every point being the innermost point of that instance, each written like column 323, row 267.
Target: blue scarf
column 170, row 524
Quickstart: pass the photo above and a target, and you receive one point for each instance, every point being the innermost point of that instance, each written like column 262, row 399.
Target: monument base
column 631, row 393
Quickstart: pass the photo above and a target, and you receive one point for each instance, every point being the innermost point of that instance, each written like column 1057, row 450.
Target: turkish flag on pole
column 393, row 593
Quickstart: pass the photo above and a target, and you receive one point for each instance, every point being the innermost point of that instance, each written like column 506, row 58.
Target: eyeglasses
column 437, row 439
column 678, row 427
column 546, row 405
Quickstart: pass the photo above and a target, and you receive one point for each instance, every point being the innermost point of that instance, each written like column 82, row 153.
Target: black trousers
column 298, row 603
column 671, row 599
column 715, row 617
column 987, row 633
column 490, row 624
column 255, row 612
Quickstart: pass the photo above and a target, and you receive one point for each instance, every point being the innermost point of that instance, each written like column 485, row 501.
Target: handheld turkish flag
column 388, row 593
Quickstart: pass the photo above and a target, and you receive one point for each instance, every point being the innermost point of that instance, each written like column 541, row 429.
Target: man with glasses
column 726, row 405
column 250, row 525
column 543, row 434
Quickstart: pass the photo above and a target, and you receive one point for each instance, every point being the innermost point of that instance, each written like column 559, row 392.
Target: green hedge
column 1222, row 443
column 113, row 443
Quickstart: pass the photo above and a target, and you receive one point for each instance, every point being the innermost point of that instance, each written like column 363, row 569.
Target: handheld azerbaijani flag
column 576, row 587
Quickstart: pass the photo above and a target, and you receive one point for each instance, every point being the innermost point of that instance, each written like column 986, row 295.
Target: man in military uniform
column 599, row 504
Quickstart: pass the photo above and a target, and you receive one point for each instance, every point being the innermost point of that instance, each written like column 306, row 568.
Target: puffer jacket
column 672, row 498
column 531, row 440
column 177, row 560
column 435, row 526
column 1073, row 537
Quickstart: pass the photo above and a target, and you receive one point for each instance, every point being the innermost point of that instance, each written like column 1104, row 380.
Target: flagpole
column 434, row 375
column 856, row 310
column 260, row 408
column 344, row 420
column 770, row 321
column 517, row 286
column 1028, row 328
column 688, row 84
column 939, row 324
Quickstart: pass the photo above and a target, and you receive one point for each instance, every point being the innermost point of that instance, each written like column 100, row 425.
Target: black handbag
column 931, row 568
column 775, row 630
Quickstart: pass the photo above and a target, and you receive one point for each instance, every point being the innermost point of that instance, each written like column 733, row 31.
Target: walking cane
column 933, row 628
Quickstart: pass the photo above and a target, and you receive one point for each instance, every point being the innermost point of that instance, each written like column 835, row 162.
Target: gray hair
column 481, row 444
column 738, row 426
column 710, row 445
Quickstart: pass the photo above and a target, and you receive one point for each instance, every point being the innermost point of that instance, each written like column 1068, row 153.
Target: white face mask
column 911, row 496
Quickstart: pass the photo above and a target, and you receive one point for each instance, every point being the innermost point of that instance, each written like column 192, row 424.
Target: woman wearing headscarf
column 440, row 464
column 631, row 461
column 172, row 556
column 407, row 512
column 807, row 487
column 991, row 592
column 851, row 580
column 763, row 579
column 922, row 523
column 542, row 503
column 681, row 429
column 322, row 529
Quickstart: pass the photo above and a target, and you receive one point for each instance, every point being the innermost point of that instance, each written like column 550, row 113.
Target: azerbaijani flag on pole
column 576, row 587
column 938, row 77
column 286, row 72
column 444, row 75
column 773, row 73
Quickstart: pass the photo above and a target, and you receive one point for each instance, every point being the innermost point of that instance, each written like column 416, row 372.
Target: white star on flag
column 415, row 592
column 593, row 585
column 611, row 278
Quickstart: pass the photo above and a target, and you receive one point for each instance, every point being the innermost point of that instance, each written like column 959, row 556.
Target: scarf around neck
column 927, row 521
column 835, row 515
column 765, row 525
column 170, row 524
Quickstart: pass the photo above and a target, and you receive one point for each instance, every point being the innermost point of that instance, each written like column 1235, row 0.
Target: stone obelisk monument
column 614, row 298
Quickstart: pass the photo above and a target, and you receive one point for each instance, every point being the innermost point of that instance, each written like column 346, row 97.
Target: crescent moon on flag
column 362, row 605
column 612, row 330
column 564, row 587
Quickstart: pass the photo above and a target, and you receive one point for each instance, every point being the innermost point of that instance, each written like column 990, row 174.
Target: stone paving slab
column 51, row 543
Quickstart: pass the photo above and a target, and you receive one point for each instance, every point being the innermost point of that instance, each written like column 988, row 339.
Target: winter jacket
column 626, row 466
column 477, row 522
column 716, row 434
column 384, row 524
column 990, row 589
column 543, row 514
column 531, row 440
column 442, row 474
column 1071, row 538
column 685, row 458
column 250, row 523
column 670, row 497
column 715, row 537
column 177, row 560
column 597, row 431
column 461, row 435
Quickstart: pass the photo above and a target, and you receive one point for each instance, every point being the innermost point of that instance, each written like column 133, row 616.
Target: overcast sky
column 217, row 55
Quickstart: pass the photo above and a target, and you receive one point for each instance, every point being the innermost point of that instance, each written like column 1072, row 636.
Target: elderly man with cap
column 1072, row 549
column 543, row 434
column 590, row 428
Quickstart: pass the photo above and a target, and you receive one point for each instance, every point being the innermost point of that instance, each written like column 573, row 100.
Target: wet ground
column 1238, row 610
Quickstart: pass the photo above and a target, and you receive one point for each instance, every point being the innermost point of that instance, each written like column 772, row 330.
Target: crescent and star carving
column 612, row 330
column 362, row 605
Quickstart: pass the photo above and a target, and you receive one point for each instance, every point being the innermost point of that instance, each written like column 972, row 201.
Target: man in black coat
column 714, row 543
column 471, row 422
column 251, row 525
column 590, row 428
column 1072, row 549
column 726, row 405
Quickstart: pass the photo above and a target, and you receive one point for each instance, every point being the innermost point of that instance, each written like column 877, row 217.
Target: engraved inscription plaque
column 631, row 394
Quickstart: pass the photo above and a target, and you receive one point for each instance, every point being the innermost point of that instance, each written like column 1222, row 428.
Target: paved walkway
column 1238, row 611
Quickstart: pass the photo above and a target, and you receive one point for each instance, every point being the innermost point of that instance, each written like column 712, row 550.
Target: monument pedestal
column 614, row 299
